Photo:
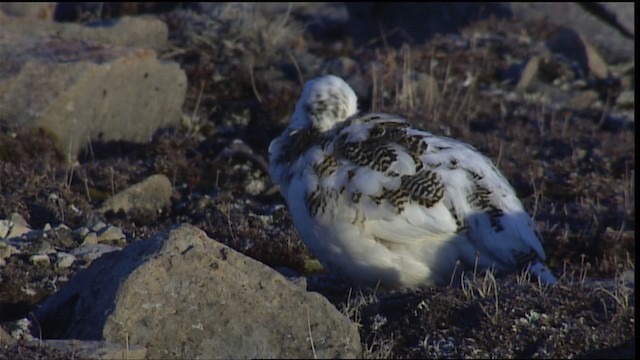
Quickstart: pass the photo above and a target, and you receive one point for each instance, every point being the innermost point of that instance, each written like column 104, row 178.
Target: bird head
column 324, row 102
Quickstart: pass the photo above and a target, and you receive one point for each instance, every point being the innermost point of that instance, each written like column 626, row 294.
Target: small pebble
column 110, row 233
column 39, row 259
column 91, row 238
column 64, row 260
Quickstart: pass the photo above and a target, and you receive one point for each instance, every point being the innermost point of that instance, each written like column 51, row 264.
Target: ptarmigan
column 382, row 203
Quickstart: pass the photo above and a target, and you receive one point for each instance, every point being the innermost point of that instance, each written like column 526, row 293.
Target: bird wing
column 405, row 185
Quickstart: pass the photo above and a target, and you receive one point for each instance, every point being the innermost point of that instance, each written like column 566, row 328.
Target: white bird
column 382, row 203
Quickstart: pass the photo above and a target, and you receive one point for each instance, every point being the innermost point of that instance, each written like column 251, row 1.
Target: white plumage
column 380, row 202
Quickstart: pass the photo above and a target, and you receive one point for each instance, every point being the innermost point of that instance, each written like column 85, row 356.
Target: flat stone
column 11, row 229
column 98, row 226
column 91, row 252
column 152, row 194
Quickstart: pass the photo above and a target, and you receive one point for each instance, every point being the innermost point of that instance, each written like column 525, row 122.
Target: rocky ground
column 559, row 124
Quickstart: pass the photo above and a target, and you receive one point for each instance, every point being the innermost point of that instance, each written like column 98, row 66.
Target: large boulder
column 184, row 295
column 83, row 90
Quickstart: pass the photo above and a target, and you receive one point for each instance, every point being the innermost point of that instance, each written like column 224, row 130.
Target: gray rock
column 627, row 99
column 575, row 47
column 397, row 23
column 110, row 233
column 90, row 238
column 18, row 219
column 624, row 13
column 102, row 233
column 45, row 248
column 182, row 294
column 62, row 227
column 6, row 250
column 583, row 100
column 614, row 46
column 98, row 350
column 82, row 91
column 154, row 193
column 293, row 276
column 64, row 260
column 11, row 229
column 82, row 231
column 39, row 259
column 141, row 31
column 567, row 42
column 5, row 338
column 98, row 226
column 90, row 252
column 31, row 10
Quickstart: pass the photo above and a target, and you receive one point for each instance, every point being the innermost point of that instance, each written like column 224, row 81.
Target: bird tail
column 543, row 273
